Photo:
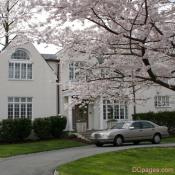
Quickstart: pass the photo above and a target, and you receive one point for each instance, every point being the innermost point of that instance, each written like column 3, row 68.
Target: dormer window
column 20, row 66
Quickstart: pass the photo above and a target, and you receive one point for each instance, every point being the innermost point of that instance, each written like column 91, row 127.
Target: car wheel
column 99, row 144
column 136, row 142
column 118, row 141
column 156, row 139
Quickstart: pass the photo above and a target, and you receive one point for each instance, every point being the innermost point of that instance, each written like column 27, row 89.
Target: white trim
column 119, row 110
column 20, row 70
column 70, row 123
column 19, row 103
column 101, row 113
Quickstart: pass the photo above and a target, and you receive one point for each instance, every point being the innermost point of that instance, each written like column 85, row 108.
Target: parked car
column 130, row 131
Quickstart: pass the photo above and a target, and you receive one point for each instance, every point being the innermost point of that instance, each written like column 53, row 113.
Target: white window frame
column 116, row 106
column 13, row 102
column 28, row 71
column 162, row 101
column 74, row 70
column 20, row 54
column 16, row 69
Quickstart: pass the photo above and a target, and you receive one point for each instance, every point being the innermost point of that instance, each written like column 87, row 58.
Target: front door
column 80, row 115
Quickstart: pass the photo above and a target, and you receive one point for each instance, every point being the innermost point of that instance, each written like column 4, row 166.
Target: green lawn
column 170, row 139
column 7, row 150
column 123, row 162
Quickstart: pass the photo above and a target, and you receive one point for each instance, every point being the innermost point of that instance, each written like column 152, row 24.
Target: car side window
column 136, row 125
column 147, row 125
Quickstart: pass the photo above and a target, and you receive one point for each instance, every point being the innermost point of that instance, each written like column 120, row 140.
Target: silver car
column 130, row 131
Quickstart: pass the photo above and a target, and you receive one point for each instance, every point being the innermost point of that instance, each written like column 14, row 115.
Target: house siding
column 42, row 88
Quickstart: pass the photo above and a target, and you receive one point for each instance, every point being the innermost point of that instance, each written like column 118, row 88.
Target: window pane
column 147, row 125
column 71, row 71
column 11, row 70
column 10, row 99
column 116, row 111
column 104, row 112
column 23, row 99
column 110, row 111
column 16, row 110
column 10, row 111
column 23, row 71
column 126, row 111
column 20, row 54
column 122, row 113
column 29, row 110
column 16, row 99
column 17, row 70
column 137, row 125
column 77, row 74
column 29, row 71
column 23, row 110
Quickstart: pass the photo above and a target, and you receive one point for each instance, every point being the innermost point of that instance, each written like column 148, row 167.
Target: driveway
column 44, row 163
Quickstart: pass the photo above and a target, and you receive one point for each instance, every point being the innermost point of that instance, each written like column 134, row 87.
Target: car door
column 148, row 130
column 134, row 131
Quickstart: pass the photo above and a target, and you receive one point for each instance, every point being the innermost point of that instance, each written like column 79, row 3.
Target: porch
column 97, row 116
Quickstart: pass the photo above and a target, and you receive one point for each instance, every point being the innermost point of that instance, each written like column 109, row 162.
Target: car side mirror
column 131, row 127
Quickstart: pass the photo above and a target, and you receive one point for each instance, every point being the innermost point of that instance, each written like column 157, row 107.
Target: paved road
column 44, row 163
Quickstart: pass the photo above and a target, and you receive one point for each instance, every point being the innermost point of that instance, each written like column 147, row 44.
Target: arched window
column 20, row 66
column 20, row 54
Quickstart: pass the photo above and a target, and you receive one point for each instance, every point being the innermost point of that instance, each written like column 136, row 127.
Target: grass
column 170, row 139
column 123, row 162
column 7, row 150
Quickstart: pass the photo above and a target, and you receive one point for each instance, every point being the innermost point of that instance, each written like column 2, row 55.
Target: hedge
column 58, row 124
column 161, row 118
column 13, row 130
column 42, row 127
column 49, row 127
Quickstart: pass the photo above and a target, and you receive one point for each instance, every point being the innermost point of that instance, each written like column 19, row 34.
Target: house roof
column 50, row 57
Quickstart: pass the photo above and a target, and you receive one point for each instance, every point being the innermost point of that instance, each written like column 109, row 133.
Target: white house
column 28, row 83
column 97, row 116
column 36, row 85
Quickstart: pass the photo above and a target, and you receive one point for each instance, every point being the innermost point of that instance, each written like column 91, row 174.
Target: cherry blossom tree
column 15, row 20
column 133, row 41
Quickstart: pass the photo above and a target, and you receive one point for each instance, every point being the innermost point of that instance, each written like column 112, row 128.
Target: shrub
column 58, row 124
column 49, row 127
column 15, row 129
column 42, row 127
column 161, row 118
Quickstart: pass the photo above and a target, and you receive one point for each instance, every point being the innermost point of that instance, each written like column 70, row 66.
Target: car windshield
column 121, row 125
